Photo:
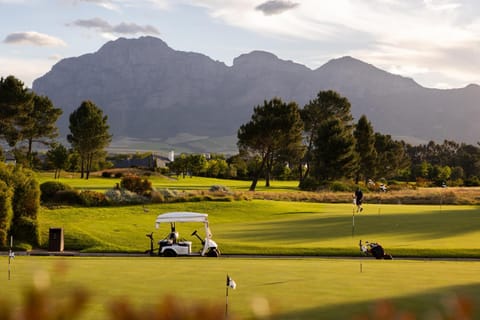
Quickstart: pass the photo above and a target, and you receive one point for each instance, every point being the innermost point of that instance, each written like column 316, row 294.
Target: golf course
column 289, row 259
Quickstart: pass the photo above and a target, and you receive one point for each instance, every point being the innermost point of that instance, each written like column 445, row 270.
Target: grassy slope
column 278, row 227
column 291, row 288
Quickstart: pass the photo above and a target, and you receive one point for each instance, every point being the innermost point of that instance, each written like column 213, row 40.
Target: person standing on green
column 359, row 199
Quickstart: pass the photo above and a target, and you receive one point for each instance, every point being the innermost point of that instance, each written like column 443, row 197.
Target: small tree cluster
column 19, row 205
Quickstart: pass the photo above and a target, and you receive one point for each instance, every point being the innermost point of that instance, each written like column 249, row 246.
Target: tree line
column 320, row 143
column 27, row 118
column 316, row 145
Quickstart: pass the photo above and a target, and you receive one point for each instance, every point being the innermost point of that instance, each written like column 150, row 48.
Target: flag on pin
column 230, row 282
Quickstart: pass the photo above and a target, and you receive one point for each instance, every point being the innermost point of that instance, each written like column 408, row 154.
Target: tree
column 334, row 154
column 365, row 148
column 19, row 204
column 58, row 157
column 89, row 134
column 392, row 157
column 15, row 103
column 275, row 129
column 38, row 123
column 327, row 105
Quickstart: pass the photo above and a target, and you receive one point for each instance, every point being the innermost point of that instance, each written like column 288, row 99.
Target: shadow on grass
column 316, row 227
column 457, row 302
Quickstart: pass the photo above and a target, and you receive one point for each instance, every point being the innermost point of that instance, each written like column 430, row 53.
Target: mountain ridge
column 151, row 91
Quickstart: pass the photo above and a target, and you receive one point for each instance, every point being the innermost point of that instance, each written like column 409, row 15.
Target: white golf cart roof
column 181, row 217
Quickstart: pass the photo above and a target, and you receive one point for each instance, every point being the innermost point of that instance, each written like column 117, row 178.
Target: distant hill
column 187, row 100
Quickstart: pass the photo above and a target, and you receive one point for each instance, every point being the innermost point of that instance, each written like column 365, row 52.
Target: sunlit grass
column 303, row 288
column 278, row 227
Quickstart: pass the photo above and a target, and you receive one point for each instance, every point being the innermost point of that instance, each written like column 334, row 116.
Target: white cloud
column 33, row 38
column 418, row 35
column 121, row 28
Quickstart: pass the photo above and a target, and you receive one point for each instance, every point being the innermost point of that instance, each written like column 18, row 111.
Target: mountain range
column 188, row 101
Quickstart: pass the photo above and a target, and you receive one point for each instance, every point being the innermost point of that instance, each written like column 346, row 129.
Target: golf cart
column 374, row 249
column 172, row 245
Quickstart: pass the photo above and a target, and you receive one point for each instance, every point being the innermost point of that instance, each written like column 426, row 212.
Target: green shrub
column 69, row 196
column 49, row 189
column 6, row 212
column 26, row 229
column 136, row 184
column 106, row 174
column 339, row 186
column 93, row 198
column 309, row 184
column 118, row 174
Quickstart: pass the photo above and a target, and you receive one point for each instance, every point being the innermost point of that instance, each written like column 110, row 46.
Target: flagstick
column 10, row 256
column 226, row 304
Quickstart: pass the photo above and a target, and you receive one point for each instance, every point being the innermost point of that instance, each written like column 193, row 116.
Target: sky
column 435, row 42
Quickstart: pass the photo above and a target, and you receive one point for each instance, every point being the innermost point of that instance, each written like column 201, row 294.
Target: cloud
column 107, row 4
column 121, row 28
column 33, row 38
column 273, row 7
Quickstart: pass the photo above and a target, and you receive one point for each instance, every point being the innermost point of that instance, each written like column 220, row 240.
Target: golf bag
column 374, row 249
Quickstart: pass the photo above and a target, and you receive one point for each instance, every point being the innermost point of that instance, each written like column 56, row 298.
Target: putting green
column 284, row 288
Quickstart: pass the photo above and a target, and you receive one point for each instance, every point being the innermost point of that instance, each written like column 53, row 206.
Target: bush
column 338, row 186
column 309, row 184
column 157, row 197
column 49, row 189
column 219, row 188
column 69, row 196
column 136, row 184
column 118, row 174
column 93, row 198
column 106, row 174
column 122, row 196
column 26, row 229
column 472, row 182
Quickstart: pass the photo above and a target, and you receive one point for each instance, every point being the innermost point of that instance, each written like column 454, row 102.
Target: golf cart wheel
column 213, row 252
column 169, row 253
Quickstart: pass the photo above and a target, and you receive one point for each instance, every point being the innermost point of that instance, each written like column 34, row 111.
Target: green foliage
column 273, row 134
column 365, row 148
column 49, row 190
column 58, row 156
column 107, row 174
column 309, row 183
column 334, row 151
column 6, row 212
column 136, row 184
column 25, row 229
column 90, row 198
column 340, row 186
column 88, row 134
column 67, row 196
column 15, row 104
column 19, row 194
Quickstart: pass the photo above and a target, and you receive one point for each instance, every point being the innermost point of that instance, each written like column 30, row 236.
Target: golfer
column 358, row 199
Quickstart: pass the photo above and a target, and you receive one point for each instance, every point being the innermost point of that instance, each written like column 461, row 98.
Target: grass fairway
column 303, row 288
column 278, row 227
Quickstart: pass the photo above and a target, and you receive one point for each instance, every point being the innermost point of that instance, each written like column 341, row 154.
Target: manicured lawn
column 303, row 288
column 278, row 227
column 161, row 182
